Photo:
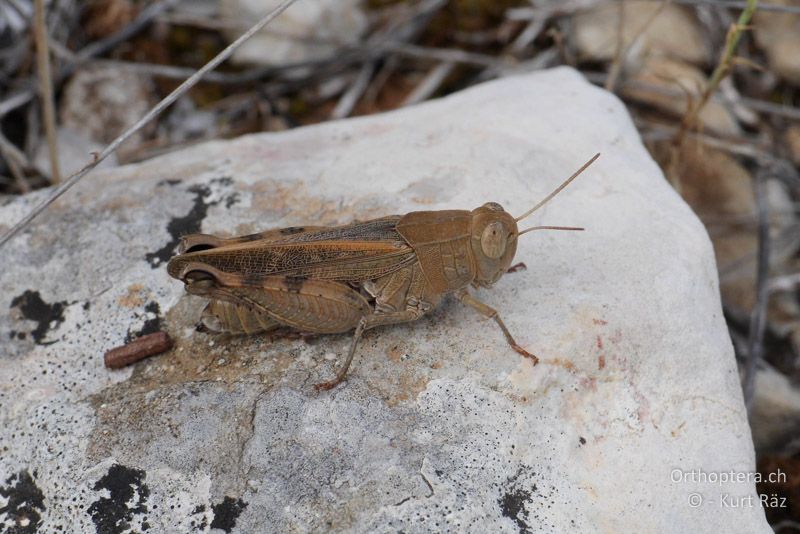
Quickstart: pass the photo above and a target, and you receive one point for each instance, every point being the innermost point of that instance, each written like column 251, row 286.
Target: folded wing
column 352, row 253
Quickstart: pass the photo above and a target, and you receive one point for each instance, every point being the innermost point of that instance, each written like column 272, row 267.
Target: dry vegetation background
column 712, row 85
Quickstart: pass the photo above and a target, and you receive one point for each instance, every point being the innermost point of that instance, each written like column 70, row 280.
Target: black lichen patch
column 226, row 513
column 192, row 221
column 513, row 502
column 512, row 505
column 231, row 200
column 24, row 505
column 201, row 523
column 225, row 181
column 151, row 325
column 35, row 309
column 181, row 226
column 127, row 497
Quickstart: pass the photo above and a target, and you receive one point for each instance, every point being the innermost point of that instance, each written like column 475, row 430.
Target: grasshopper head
column 495, row 234
column 494, row 242
column 200, row 279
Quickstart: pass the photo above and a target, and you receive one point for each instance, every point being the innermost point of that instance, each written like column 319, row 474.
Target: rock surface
column 440, row 426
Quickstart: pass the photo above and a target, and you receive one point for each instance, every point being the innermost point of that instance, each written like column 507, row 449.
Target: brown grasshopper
column 326, row 280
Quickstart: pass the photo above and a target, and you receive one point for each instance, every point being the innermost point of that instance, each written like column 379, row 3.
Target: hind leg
column 365, row 323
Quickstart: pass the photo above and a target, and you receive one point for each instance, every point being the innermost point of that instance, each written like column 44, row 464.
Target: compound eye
column 493, row 240
column 494, row 206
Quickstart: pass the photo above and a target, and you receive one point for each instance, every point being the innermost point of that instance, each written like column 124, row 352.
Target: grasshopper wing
column 352, row 253
column 195, row 242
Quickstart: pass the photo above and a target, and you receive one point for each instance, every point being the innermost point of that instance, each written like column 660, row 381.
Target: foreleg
column 490, row 312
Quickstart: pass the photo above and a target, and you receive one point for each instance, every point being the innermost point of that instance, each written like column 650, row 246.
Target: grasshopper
column 326, row 280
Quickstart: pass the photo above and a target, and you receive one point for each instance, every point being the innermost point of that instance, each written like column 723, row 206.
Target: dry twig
column 137, row 350
column 432, row 81
column 567, row 7
column 743, row 4
column 758, row 317
column 350, row 97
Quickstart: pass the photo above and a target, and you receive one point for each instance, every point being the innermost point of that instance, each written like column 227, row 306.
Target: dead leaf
column 779, row 35
column 674, row 32
column 720, row 191
column 671, row 86
column 792, row 138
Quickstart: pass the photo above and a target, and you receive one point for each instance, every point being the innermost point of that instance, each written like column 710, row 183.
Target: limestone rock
column 440, row 425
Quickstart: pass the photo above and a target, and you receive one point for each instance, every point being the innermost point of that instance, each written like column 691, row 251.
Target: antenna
column 557, row 191
column 575, row 228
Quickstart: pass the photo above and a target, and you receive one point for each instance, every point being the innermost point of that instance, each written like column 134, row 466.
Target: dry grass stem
column 46, row 88
column 723, row 68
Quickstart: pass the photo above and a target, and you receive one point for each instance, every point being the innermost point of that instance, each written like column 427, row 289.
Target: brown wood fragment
column 138, row 349
column 519, row 266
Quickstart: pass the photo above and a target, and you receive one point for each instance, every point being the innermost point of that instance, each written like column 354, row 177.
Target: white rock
column 637, row 377
column 311, row 29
